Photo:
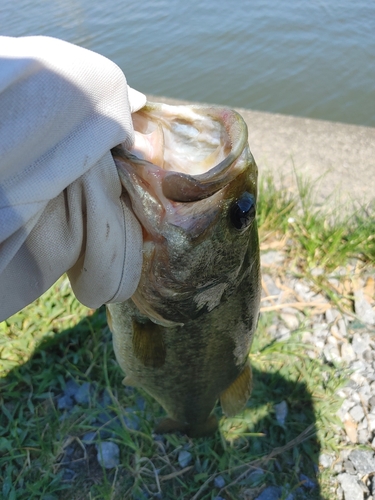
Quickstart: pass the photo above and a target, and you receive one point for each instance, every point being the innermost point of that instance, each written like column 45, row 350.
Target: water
column 313, row 58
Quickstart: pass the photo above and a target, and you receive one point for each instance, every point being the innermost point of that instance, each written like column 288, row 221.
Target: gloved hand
column 62, row 109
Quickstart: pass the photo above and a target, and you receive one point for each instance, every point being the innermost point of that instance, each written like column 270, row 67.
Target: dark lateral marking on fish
column 207, row 428
column 148, row 344
column 234, row 399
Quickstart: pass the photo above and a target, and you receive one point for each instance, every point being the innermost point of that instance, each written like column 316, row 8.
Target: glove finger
column 136, row 99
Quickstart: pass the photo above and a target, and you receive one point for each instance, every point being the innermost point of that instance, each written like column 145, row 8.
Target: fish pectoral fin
column 148, row 344
column 109, row 318
column 234, row 399
column 129, row 381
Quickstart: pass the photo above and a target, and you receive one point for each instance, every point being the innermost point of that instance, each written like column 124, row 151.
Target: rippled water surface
column 312, row 58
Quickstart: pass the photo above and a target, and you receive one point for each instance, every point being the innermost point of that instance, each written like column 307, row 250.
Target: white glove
column 62, row 108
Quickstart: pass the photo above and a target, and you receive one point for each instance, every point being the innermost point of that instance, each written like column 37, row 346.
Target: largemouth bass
column 185, row 335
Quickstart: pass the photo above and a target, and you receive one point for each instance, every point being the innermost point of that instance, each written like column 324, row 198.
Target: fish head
column 194, row 193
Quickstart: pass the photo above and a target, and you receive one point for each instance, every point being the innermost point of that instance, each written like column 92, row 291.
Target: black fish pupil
column 243, row 211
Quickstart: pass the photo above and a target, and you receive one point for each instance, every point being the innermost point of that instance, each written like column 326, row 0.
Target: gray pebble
column 65, row 403
column 271, row 258
column 184, row 458
column 368, row 356
column 371, row 422
column 105, row 399
column 270, row 284
column 347, row 404
column 365, row 391
column 290, row 320
column 255, row 477
column 363, row 309
column 347, row 353
column 320, row 330
column 307, row 338
column 68, row 451
column 373, row 485
column 359, row 366
column 331, row 353
column 337, row 468
column 303, row 289
column 360, row 343
column 132, row 420
column 281, row 410
column 71, row 388
column 350, row 486
column 108, row 454
column 332, row 340
column 349, row 467
column 282, row 333
column 331, row 315
column 339, row 493
column 68, row 475
column 342, row 327
column 325, row 460
column 105, row 417
column 219, row 482
column 363, row 461
column 89, row 438
column 317, row 271
column 362, row 425
column 82, row 396
column 307, row 483
column 357, row 413
column 357, row 378
column 141, row 403
column 270, row 493
column 363, row 436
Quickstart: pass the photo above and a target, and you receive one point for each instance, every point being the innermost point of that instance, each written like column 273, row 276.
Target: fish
column 185, row 335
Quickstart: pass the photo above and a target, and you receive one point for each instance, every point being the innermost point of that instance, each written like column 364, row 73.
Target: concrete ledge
column 338, row 158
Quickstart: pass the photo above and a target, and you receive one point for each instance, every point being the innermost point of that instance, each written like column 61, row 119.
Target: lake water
column 313, row 58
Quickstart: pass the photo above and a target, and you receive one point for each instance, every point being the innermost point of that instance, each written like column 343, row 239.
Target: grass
column 56, row 339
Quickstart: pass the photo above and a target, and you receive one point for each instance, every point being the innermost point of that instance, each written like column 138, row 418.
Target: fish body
column 186, row 333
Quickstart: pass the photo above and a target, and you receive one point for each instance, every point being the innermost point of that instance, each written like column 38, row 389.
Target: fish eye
column 242, row 212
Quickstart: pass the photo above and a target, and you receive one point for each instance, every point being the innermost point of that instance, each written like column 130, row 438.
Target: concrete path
column 338, row 158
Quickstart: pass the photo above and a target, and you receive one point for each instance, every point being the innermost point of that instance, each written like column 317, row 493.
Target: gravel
column 337, row 338
column 343, row 340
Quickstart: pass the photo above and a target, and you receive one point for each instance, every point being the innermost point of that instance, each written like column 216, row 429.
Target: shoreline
column 338, row 159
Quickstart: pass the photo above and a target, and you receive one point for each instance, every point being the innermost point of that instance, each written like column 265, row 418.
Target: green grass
column 56, row 339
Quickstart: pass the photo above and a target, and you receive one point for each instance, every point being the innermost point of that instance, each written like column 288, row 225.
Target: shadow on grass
column 42, row 453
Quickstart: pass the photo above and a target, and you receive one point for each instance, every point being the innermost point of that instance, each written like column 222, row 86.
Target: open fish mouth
column 195, row 146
